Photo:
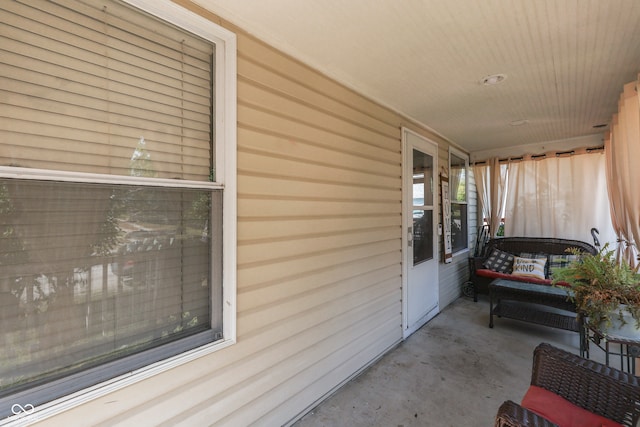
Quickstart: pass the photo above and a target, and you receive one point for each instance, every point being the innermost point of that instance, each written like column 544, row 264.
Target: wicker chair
column 593, row 386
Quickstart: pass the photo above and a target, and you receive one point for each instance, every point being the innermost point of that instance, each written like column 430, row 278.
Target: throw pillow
column 537, row 256
column 560, row 411
column 529, row 267
column 532, row 255
column 499, row 261
column 559, row 261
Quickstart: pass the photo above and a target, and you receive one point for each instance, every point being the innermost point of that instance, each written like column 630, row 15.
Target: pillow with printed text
column 529, row 267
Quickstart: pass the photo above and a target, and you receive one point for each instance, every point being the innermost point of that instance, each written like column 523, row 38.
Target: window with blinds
column 94, row 86
column 458, row 167
column 110, row 205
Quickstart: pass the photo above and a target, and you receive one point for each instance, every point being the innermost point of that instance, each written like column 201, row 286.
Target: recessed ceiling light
column 519, row 122
column 493, row 79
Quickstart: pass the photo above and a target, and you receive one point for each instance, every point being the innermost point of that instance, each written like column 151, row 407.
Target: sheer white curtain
column 559, row 197
column 622, row 149
column 481, row 175
column 491, row 181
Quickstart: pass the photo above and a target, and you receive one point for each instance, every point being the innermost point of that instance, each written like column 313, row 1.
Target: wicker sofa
column 481, row 276
column 569, row 390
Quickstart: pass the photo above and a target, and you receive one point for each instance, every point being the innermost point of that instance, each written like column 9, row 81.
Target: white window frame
column 225, row 166
column 465, row 157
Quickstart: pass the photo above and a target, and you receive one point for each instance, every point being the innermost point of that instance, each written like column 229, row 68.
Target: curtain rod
column 545, row 155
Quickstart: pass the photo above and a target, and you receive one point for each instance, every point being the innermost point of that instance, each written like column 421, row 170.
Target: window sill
column 74, row 400
column 461, row 252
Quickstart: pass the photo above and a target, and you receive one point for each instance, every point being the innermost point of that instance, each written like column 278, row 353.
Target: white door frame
column 407, row 209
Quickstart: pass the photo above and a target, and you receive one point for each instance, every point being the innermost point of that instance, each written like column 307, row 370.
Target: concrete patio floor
column 454, row 371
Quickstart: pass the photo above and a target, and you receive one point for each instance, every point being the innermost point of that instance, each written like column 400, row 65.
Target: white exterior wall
column 319, row 256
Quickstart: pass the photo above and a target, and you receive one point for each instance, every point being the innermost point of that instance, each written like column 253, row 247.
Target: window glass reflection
column 422, row 236
column 422, row 179
column 458, row 179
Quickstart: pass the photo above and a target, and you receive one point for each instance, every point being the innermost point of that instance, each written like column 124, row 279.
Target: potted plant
column 605, row 291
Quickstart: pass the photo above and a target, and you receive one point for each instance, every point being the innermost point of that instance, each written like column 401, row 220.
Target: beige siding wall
column 319, row 255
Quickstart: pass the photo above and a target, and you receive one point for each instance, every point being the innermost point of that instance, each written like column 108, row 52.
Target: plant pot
column 618, row 329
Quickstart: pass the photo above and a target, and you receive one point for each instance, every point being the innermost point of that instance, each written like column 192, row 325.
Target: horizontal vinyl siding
column 319, row 255
column 319, row 208
column 473, row 214
column 451, row 277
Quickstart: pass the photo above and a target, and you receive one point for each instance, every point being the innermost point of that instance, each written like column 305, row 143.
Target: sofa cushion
column 529, row 267
column 562, row 412
column 485, row 272
column 499, row 261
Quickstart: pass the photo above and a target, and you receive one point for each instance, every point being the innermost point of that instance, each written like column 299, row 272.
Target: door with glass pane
column 420, row 283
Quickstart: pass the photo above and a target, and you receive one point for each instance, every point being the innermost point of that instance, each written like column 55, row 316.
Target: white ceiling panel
column 565, row 60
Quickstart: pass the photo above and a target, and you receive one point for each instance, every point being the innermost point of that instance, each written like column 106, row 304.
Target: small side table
column 614, row 347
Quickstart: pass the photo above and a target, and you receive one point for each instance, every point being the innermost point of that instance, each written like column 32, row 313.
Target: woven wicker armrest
column 591, row 385
column 510, row 414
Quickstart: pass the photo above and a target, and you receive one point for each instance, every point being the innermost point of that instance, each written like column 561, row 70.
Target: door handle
column 410, row 236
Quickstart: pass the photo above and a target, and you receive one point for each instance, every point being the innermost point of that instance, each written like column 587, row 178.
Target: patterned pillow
column 559, row 261
column 499, row 261
column 529, row 267
column 532, row 255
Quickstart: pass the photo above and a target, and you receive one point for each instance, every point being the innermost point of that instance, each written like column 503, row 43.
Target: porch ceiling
column 565, row 61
